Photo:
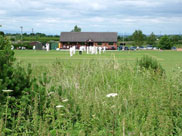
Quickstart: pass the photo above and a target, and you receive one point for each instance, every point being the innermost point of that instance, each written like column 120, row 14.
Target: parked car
column 132, row 48
column 142, row 48
column 126, row 48
column 155, row 48
column 149, row 47
column 113, row 48
column 173, row 48
column 120, row 47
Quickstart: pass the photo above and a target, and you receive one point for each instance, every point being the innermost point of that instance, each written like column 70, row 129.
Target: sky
column 122, row 16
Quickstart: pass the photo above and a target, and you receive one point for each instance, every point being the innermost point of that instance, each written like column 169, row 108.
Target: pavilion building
column 107, row 39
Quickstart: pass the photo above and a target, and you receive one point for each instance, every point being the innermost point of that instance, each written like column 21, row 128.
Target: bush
column 165, row 42
column 150, row 63
column 12, row 77
column 23, row 44
column 1, row 33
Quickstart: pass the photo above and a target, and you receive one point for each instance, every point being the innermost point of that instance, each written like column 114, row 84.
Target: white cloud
column 140, row 3
column 2, row 12
column 53, row 16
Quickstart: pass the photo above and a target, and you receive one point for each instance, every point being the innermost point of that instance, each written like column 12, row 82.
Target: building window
column 111, row 43
column 82, row 43
column 99, row 43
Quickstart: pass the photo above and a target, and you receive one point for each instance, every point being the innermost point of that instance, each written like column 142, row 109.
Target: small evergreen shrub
column 16, row 80
column 12, row 77
column 149, row 63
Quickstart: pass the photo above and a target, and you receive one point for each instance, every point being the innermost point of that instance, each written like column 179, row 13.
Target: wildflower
column 65, row 100
column 59, row 106
column 7, row 91
column 111, row 95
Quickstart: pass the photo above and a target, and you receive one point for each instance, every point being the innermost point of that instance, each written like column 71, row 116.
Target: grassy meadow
column 98, row 95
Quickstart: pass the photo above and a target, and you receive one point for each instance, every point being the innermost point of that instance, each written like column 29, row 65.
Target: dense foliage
column 176, row 38
column 1, row 33
column 138, row 38
column 151, row 39
column 76, row 29
column 151, row 64
column 13, row 78
column 32, row 37
column 165, row 42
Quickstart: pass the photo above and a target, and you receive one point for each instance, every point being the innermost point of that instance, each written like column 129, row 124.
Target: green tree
column 12, row 76
column 138, row 37
column 165, row 42
column 40, row 34
column 151, row 39
column 119, row 38
column 76, row 29
column 25, row 34
column 175, row 38
column 128, row 38
column 2, row 33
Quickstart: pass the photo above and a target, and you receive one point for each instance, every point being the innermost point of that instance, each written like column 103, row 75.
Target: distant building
column 107, row 39
column 38, row 45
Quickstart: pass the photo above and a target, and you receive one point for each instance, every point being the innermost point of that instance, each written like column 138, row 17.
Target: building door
column 90, row 42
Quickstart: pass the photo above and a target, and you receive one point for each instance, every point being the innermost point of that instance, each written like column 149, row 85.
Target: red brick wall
column 96, row 44
column 115, row 45
column 109, row 46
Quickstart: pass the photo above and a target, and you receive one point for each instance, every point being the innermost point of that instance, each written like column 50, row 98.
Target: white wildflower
column 111, row 95
column 59, row 106
column 7, row 91
column 93, row 115
column 65, row 100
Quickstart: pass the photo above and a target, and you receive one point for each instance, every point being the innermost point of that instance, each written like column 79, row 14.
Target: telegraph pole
column 21, row 27
column 123, row 37
column 32, row 31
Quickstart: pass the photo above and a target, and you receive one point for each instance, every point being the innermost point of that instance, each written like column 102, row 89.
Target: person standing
column 71, row 51
column 100, row 49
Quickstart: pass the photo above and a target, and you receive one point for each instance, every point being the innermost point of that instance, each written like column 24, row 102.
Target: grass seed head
column 7, row 91
column 59, row 106
column 111, row 95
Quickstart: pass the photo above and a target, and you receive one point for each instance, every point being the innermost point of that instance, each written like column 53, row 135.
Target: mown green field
column 168, row 59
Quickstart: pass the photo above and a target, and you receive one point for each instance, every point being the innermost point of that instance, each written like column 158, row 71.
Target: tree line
column 137, row 38
column 163, row 42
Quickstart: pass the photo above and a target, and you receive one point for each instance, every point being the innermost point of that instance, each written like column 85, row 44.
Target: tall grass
column 70, row 99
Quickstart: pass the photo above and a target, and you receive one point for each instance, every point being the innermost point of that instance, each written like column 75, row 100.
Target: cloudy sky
column 122, row 16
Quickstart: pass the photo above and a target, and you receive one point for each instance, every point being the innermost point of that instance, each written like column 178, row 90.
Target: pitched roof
column 85, row 36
